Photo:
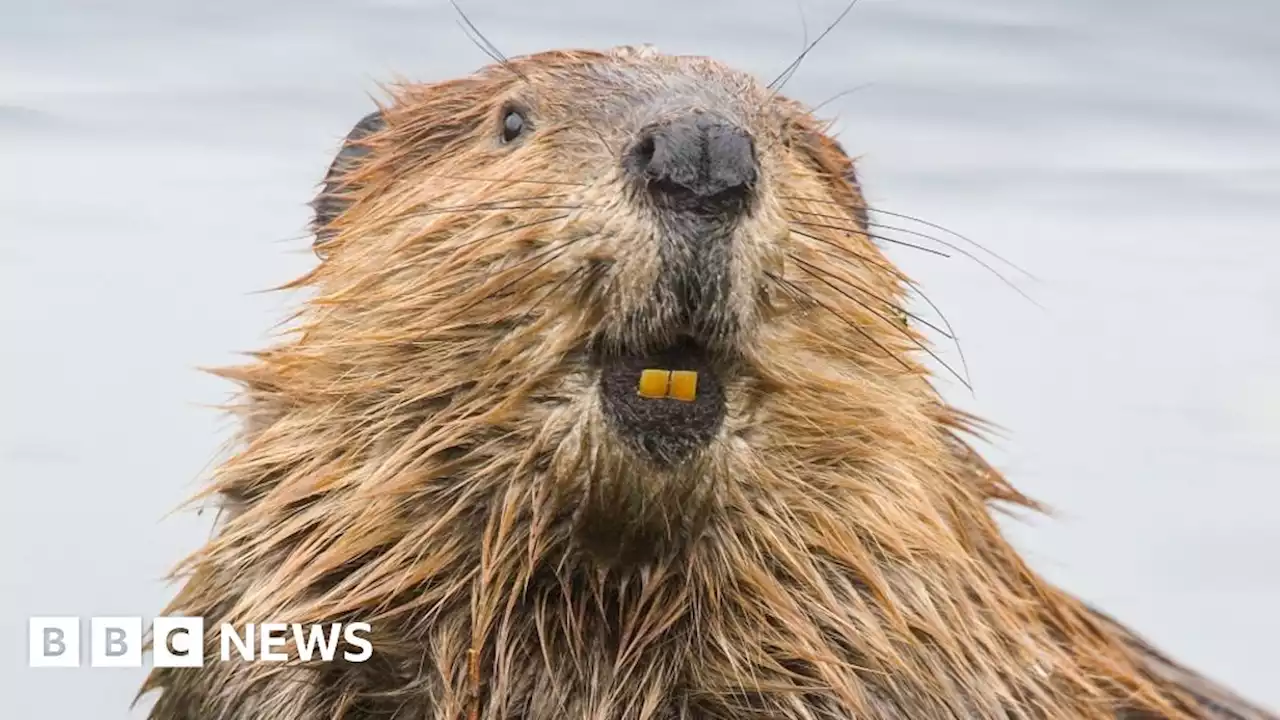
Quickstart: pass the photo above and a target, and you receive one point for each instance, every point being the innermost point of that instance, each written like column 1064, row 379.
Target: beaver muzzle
column 697, row 173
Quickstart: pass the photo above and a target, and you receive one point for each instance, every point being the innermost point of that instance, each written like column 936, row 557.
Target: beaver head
column 511, row 251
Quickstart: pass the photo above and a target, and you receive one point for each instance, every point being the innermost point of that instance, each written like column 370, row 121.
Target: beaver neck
column 786, row 609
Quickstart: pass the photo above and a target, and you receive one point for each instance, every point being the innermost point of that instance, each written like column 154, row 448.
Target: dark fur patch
column 665, row 430
column 331, row 201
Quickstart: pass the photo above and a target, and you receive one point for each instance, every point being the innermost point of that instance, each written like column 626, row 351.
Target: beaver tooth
column 653, row 383
column 684, row 385
column 678, row 384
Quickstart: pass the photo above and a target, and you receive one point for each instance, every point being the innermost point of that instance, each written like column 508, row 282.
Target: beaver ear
column 333, row 198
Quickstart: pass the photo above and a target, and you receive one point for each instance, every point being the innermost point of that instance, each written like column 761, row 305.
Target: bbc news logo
column 180, row 642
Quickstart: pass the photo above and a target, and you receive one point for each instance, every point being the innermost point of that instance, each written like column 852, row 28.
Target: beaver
column 601, row 404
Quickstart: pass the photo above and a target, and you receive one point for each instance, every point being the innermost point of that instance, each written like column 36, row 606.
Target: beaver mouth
column 666, row 403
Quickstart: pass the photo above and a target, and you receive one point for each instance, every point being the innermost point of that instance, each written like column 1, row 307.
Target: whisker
column 484, row 205
column 839, row 95
column 483, row 43
column 804, row 26
column 856, row 231
column 922, row 221
column 486, row 208
column 791, row 69
column 600, row 136
column 844, row 253
column 558, row 251
column 555, row 252
column 955, row 337
column 875, row 262
column 809, row 269
column 558, row 284
column 955, row 234
column 502, row 180
column 487, row 203
column 504, row 231
column 883, row 301
column 985, row 265
column 478, row 42
column 809, row 296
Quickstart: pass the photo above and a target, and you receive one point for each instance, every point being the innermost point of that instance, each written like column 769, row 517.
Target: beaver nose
column 697, row 163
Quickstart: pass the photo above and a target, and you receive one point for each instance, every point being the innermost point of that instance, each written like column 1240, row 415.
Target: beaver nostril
column 644, row 152
column 696, row 163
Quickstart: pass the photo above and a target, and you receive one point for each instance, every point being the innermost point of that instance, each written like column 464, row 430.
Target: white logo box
column 115, row 642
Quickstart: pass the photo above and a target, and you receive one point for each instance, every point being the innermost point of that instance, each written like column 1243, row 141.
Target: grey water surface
column 156, row 157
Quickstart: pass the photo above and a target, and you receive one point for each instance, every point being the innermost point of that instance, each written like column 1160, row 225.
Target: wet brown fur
column 424, row 451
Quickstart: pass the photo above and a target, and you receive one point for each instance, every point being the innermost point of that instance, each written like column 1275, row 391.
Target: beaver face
column 512, row 254
column 677, row 218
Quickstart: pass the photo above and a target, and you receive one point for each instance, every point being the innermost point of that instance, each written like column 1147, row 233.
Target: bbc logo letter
column 115, row 642
column 179, row 642
column 54, row 642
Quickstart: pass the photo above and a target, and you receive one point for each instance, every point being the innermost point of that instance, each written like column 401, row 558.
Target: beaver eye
column 513, row 125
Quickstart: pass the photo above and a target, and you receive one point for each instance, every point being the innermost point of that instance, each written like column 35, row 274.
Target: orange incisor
column 678, row 385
